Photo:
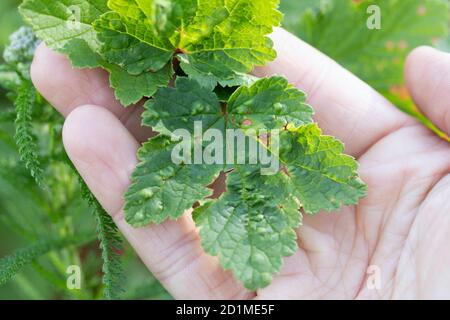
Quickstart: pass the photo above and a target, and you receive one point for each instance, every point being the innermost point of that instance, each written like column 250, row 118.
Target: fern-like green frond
column 110, row 244
column 25, row 139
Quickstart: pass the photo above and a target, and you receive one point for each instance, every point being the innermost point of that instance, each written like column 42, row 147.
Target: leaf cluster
column 191, row 58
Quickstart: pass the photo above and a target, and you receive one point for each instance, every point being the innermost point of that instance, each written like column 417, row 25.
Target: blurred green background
column 9, row 22
column 9, row 19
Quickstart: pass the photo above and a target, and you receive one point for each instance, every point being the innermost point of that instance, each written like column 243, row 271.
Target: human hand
column 402, row 227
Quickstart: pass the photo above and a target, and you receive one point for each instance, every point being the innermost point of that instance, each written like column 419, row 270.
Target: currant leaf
column 220, row 40
column 322, row 176
column 67, row 27
column 57, row 22
column 251, row 226
column 268, row 103
column 126, row 51
column 163, row 190
column 248, row 227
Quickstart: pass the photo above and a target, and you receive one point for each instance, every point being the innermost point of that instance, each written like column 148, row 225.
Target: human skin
column 402, row 227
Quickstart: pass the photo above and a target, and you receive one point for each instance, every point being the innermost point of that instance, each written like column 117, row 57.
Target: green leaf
column 163, row 190
column 268, row 103
column 129, row 88
column 67, row 26
column 219, row 39
column 209, row 81
column 232, row 33
column 136, row 41
column 179, row 107
column 322, row 176
column 249, row 227
column 126, row 51
column 81, row 54
column 58, row 22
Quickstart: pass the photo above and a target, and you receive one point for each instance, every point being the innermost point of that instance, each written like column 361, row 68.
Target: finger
column 67, row 88
column 427, row 75
column 345, row 106
column 104, row 153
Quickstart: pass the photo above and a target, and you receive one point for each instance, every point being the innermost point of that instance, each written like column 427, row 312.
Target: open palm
column 400, row 231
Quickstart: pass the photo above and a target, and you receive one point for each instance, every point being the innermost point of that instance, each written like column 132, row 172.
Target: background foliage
column 339, row 29
column 43, row 231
